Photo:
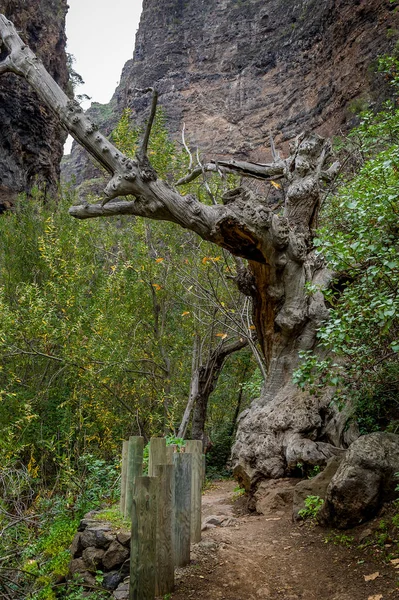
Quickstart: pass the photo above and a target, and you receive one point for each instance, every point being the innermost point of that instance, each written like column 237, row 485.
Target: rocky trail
column 262, row 557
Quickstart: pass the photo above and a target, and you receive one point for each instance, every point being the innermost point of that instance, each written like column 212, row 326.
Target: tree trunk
column 284, row 426
column 194, row 383
column 207, row 376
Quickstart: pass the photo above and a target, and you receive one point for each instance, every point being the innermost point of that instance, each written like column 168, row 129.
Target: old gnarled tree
column 284, row 426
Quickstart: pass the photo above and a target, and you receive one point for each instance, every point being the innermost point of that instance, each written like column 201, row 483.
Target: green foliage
column 238, row 493
column 359, row 239
column 98, row 320
column 171, row 440
column 113, row 515
column 313, row 504
column 253, row 386
column 314, row 471
column 219, row 453
column 340, row 539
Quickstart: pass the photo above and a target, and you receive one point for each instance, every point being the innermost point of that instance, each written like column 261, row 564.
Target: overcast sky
column 101, row 37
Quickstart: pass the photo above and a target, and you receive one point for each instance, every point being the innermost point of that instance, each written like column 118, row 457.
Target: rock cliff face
column 31, row 141
column 233, row 70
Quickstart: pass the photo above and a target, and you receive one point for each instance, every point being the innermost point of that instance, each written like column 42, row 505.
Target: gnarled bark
column 283, row 427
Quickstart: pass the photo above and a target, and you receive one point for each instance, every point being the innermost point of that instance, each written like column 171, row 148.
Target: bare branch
column 142, row 153
column 208, row 189
column 243, row 168
column 275, row 155
column 186, row 147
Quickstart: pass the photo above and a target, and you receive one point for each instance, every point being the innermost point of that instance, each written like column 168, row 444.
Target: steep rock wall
column 31, row 141
column 233, row 70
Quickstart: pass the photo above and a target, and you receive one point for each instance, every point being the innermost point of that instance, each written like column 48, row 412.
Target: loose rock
column 364, row 480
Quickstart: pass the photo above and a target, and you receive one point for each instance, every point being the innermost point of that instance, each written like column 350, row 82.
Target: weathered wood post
column 134, row 469
column 194, row 447
column 143, row 542
column 170, row 450
column 182, row 508
column 157, row 455
column 165, row 580
column 125, row 448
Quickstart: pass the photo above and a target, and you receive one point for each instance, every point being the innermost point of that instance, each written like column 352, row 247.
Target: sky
column 101, row 36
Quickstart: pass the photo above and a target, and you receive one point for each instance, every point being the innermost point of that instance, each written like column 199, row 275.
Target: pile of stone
column 99, row 547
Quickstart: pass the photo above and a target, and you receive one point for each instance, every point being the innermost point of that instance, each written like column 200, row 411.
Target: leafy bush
column 219, row 454
column 359, row 239
column 313, row 504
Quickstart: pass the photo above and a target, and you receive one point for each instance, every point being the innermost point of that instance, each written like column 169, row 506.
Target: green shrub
column 313, row 504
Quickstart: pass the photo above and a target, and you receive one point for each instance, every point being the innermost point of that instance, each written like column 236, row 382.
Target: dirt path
column 267, row 557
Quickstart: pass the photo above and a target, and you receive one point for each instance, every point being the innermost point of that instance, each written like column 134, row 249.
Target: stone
column 76, row 547
column 365, row 534
column 263, row 592
column 92, row 558
column 90, row 520
column 317, row 486
column 230, row 522
column 111, row 580
column 122, row 592
column 78, row 567
column 215, row 520
column 207, row 526
column 365, row 479
column 123, row 538
column 115, row 555
column 207, row 545
column 99, row 535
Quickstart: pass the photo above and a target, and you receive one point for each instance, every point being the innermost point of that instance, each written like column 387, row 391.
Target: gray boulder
column 115, row 556
column 99, row 535
column 317, row 486
column 364, row 480
column 93, row 559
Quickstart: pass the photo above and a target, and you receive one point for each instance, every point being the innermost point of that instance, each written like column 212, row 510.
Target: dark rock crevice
column 31, row 139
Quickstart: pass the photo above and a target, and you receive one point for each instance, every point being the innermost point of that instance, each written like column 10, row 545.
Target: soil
column 268, row 557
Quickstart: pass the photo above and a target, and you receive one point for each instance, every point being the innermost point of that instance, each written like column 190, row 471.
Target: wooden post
column 203, row 469
column 182, row 508
column 123, row 476
column 157, row 454
column 134, row 469
column 194, row 447
column 143, row 542
column 165, row 567
column 170, row 450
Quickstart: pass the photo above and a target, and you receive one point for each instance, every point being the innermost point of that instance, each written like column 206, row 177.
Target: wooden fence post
column 182, row 508
column 170, row 450
column 157, row 455
column 143, row 541
column 165, row 580
column 194, row 447
column 134, row 469
column 123, row 476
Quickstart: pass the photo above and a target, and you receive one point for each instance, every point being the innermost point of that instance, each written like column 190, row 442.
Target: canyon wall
column 233, row 70
column 31, row 140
